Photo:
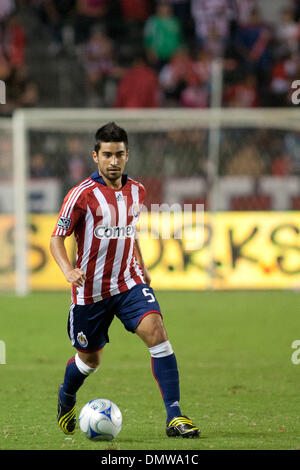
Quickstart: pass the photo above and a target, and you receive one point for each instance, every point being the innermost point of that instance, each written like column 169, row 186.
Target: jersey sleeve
column 71, row 211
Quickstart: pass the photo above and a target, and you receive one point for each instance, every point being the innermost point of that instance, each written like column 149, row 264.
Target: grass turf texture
column 233, row 349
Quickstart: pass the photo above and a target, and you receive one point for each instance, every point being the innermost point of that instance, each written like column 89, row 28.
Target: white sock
column 161, row 350
column 84, row 369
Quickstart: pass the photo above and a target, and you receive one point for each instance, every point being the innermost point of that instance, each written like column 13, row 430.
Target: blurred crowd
column 147, row 53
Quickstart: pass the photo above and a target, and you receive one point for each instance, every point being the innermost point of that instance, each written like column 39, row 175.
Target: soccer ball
column 100, row 420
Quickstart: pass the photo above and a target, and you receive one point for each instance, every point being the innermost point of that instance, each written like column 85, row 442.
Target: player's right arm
column 73, row 208
column 58, row 250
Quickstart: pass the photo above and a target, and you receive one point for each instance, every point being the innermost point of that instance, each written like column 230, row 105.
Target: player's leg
column 140, row 313
column 78, row 368
column 164, row 367
column 87, row 328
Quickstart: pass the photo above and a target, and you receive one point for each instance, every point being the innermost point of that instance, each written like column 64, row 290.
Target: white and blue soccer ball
column 100, row 420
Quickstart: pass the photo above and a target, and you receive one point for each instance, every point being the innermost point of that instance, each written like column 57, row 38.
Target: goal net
column 241, row 165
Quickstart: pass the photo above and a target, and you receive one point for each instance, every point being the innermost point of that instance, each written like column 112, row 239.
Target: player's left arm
column 137, row 247
column 140, row 260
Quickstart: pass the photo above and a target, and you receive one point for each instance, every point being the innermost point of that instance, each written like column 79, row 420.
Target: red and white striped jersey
column 104, row 223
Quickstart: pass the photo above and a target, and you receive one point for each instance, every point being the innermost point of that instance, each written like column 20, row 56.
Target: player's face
column 111, row 160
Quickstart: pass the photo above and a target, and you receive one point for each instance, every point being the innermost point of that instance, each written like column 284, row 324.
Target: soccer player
column 111, row 279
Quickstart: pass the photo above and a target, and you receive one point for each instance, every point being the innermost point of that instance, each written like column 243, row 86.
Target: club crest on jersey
column 81, row 338
column 64, row 222
column 126, row 231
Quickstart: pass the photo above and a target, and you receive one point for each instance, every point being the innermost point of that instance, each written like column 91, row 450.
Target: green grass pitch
column 238, row 382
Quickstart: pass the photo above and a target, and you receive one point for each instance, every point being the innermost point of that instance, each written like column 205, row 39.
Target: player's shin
column 165, row 371
column 75, row 374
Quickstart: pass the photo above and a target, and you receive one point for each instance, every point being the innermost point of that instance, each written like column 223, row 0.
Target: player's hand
column 76, row 276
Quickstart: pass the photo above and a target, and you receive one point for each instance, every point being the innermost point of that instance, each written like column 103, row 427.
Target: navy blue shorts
column 88, row 324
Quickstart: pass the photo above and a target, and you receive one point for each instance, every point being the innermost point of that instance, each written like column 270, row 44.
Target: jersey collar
column 98, row 178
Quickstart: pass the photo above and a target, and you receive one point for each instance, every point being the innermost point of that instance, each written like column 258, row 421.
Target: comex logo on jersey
column 114, row 232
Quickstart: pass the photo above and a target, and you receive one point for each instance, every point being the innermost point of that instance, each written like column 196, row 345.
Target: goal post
column 20, row 185
column 43, row 130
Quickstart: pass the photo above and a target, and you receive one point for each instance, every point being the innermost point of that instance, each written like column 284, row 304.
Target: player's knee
column 157, row 333
column 151, row 330
column 158, row 336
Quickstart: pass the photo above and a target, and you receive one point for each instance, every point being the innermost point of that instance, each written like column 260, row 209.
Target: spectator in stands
column 139, row 87
column 56, row 15
column 278, row 155
column 5, row 66
column 97, row 56
column 194, row 96
column 252, row 43
column 161, row 26
column 287, row 32
column 211, row 19
column 244, row 10
column 176, row 75
column 163, row 35
column 27, row 90
column 242, row 94
column 136, row 10
column 134, row 15
column 295, row 6
column 38, row 166
column 22, row 90
column 292, row 148
column 285, row 68
column 77, row 169
column 197, row 94
column 7, row 7
column 13, row 41
column 182, row 10
column 281, row 165
column 202, row 64
column 246, row 161
column 89, row 13
column 185, row 81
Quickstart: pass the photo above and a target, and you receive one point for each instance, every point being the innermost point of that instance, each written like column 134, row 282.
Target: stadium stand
column 76, row 52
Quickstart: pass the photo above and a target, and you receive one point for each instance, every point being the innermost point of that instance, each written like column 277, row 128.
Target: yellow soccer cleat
column 66, row 417
column 182, row 426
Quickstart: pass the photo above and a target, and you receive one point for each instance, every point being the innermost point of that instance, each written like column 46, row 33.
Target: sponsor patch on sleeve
column 64, row 222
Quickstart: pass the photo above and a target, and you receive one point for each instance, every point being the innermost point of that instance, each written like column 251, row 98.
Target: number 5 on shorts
column 148, row 294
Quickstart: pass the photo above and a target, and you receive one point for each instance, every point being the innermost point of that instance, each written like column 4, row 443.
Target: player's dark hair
column 110, row 133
